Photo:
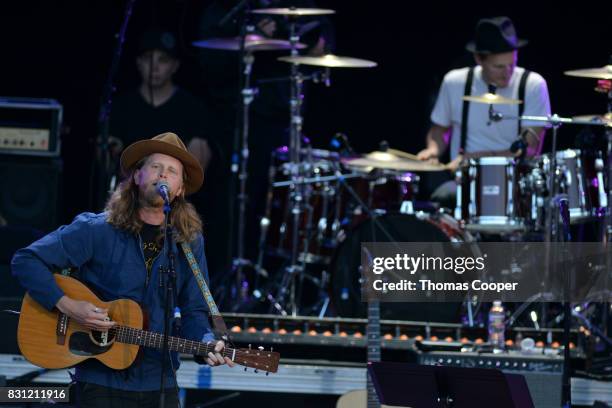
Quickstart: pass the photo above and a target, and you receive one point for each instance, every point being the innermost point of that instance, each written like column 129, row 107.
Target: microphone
column 340, row 143
column 520, row 144
column 177, row 320
column 517, row 145
column 383, row 146
column 494, row 116
column 164, row 190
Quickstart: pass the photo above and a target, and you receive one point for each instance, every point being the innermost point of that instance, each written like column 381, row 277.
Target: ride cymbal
column 294, row 12
column 330, row 61
column 595, row 73
column 492, row 99
column 253, row 43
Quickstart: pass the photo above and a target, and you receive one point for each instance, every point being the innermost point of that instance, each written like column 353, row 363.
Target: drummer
column 467, row 124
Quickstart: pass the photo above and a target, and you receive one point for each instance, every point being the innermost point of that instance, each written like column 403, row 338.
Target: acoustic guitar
column 53, row 340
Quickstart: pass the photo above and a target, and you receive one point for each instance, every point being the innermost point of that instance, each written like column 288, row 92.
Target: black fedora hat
column 495, row 35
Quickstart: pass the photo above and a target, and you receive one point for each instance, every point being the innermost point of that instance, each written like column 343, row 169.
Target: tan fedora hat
column 170, row 144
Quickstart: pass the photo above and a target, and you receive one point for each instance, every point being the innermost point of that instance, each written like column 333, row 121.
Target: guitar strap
column 217, row 319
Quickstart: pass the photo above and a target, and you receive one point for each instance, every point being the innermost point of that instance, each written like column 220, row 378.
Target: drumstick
column 402, row 154
column 410, row 156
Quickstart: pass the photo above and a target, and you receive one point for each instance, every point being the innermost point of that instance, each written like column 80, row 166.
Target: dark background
column 63, row 50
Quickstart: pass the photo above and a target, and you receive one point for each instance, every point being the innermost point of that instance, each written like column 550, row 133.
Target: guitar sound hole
column 81, row 345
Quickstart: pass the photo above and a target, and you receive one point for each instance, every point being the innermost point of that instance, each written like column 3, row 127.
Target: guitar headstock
column 258, row 359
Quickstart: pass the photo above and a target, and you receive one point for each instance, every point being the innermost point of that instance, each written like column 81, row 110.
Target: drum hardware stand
column 248, row 94
column 607, row 235
column 299, row 195
column 373, row 214
column 241, row 287
column 558, row 208
column 288, row 283
column 608, row 223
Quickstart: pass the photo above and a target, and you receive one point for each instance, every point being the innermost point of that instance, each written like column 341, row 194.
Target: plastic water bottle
column 497, row 327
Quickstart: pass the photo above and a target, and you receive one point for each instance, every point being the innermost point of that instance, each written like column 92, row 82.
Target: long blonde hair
column 122, row 210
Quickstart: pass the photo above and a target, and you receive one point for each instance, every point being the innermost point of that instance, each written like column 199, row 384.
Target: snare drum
column 489, row 195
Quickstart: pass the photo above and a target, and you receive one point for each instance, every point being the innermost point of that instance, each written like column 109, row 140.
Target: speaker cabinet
column 30, row 191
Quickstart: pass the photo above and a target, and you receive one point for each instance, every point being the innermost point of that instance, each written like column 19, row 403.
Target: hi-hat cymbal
column 605, row 119
column 253, row 43
column 293, row 11
column 596, row 73
column 388, row 161
column 492, row 99
column 329, row 60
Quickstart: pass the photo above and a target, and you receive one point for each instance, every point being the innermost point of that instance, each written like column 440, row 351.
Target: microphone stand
column 562, row 203
column 169, row 293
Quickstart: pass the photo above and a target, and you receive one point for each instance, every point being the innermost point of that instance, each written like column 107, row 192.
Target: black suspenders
column 521, row 96
column 466, row 109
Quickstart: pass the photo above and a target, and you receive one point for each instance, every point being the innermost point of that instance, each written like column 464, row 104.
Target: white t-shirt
column 482, row 135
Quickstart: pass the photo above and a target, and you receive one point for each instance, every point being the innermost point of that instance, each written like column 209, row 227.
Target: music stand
column 415, row 386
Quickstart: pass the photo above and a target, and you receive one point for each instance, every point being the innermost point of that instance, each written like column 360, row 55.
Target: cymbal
column 605, row 119
column 382, row 156
column 403, row 154
column 492, row 99
column 596, row 73
column 253, row 43
column 329, row 60
column 293, row 11
column 388, row 161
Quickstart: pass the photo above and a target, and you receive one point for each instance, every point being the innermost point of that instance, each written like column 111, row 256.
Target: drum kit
column 321, row 204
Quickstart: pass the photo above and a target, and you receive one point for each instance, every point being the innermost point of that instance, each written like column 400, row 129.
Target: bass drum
column 345, row 283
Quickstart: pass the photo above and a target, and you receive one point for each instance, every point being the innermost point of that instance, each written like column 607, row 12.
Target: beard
column 150, row 198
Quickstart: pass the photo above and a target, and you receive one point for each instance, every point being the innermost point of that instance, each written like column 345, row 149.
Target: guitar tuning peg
column 260, row 348
column 245, row 368
column 256, row 371
column 271, row 348
column 267, row 373
column 249, row 346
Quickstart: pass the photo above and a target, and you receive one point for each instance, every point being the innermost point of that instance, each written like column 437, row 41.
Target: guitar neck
column 150, row 339
column 373, row 335
column 373, row 331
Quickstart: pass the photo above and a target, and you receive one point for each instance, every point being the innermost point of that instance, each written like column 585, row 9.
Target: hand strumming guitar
column 85, row 313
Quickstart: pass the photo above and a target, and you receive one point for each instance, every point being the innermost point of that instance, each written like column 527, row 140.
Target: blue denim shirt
column 111, row 263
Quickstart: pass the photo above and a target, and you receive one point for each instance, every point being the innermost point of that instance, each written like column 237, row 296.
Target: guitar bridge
column 61, row 329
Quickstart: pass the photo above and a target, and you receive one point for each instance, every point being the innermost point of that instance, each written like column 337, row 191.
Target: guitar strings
column 142, row 335
column 134, row 333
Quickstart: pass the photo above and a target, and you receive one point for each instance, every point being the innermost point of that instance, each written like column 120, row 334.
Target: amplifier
column 542, row 372
column 30, row 126
column 503, row 361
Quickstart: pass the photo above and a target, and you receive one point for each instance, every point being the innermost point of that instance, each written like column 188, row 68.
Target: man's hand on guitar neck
column 215, row 359
column 85, row 313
